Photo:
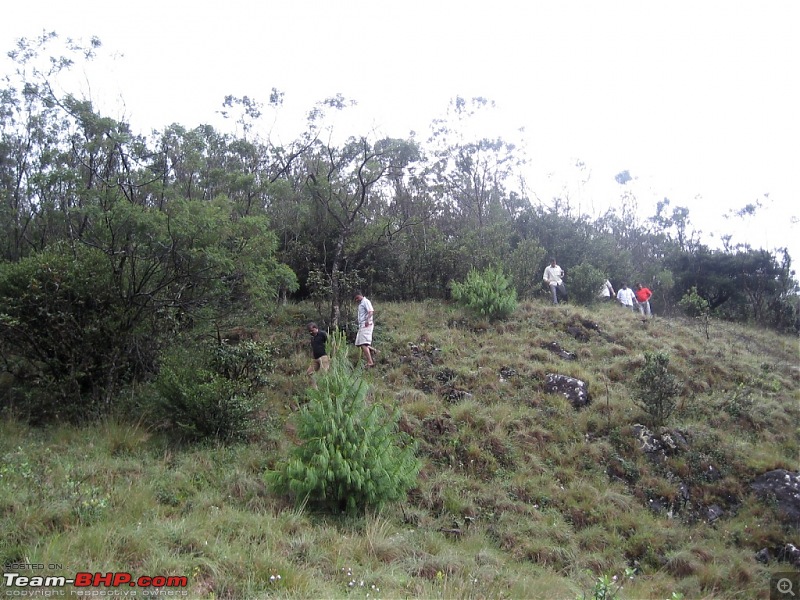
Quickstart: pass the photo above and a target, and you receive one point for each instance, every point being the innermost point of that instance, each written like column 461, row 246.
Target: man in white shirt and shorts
column 366, row 324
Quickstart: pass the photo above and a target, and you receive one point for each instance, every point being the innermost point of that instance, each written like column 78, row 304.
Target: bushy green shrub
column 693, row 304
column 352, row 454
column 65, row 335
column 656, row 388
column 698, row 307
column 585, row 282
column 248, row 362
column 523, row 266
column 199, row 404
column 487, row 293
column 211, row 392
column 81, row 319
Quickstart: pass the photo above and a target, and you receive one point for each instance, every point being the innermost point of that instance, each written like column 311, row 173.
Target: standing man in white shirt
column 553, row 276
column 366, row 324
column 607, row 291
column 626, row 297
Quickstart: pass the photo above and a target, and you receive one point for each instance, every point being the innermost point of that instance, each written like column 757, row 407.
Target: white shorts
column 364, row 337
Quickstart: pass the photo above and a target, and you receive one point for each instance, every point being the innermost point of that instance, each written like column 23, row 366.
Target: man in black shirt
column 321, row 360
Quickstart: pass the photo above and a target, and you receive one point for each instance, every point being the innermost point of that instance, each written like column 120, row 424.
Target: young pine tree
column 656, row 388
column 352, row 454
column 487, row 293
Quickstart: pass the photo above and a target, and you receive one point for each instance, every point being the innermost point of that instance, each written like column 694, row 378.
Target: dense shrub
column 248, row 363
column 523, row 265
column 585, row 282
column 693, row 304
column 82, row 318
column 656, row 388
column 199, row 404
column 352, row 454
column 487, row 294
column 66, row 337
column 698, row 307
column 210, row 393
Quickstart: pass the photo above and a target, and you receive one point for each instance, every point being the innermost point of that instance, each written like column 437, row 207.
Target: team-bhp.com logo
column 83, row 581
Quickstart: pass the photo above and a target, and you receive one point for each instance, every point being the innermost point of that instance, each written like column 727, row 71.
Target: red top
column 643, row 294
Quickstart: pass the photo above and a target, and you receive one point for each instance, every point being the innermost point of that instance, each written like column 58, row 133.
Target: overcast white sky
column 698, row 100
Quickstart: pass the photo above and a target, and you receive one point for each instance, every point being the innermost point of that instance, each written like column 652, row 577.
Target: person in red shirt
column 643, row 296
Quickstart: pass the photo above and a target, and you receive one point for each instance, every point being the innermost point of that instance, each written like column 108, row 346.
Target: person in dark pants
column 321, row 360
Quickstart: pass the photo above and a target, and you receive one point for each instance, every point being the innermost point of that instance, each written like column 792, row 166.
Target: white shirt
column 553, row 275
column 625, row 296
column 605, row 291
column 364, row 311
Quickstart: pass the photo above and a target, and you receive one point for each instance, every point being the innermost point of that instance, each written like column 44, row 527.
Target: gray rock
column 791, row 554
column 578, row 333
column 783, row 488
column 507, row 373
column 763, row 556
column 714, row 513
column 684, row 491
column 575, row 390
column 453, row 395
column 556, row 349
column 659, row 446
column 788, row 553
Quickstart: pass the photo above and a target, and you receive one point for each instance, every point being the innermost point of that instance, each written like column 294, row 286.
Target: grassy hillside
column 520, row 495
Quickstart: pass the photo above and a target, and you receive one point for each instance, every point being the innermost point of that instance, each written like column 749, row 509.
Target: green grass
column 520, row 495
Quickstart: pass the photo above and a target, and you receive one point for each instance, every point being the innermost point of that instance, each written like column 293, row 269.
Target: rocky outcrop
column 575, row 390
column 658, row 446
column 556, row 349
column 783, row 488
column 788, row 553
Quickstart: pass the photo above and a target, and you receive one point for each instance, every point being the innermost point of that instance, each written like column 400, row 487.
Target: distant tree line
column 110, row 239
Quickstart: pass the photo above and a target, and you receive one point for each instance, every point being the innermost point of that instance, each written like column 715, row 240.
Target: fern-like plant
column 352, row 455
column 487, row 294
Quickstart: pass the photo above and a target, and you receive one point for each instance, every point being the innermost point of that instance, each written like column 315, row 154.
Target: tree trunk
column 335, row 288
